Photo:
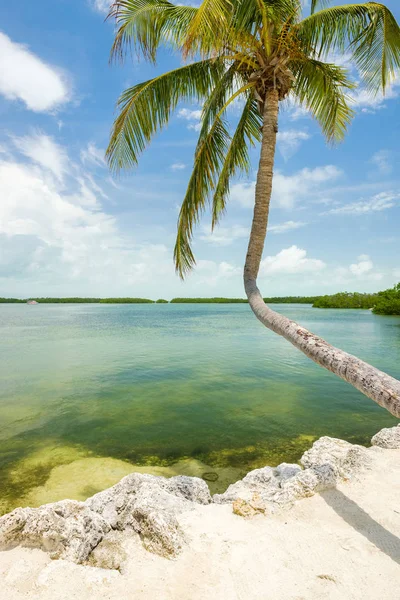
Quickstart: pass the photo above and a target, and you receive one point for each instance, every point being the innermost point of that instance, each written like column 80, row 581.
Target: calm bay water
column 91, row 392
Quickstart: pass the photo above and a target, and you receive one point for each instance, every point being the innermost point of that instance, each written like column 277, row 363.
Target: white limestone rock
column 305, row 484
column 260, row 481
column 387, row 438
column 149, row 505
column 67, row 529
column 344, row 458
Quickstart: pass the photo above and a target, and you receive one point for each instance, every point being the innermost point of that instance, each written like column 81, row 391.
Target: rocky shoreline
column 93, row 532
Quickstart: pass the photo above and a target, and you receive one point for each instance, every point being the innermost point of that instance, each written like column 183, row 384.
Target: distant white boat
column 32, row 302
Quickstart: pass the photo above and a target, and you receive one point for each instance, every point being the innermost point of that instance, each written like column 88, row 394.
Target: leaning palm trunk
column 375, row 384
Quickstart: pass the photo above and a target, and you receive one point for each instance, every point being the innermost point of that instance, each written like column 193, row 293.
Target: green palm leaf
column 146, row 108
column 369, row 31
column 320, row 88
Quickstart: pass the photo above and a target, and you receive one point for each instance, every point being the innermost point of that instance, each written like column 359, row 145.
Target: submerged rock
column 387, row 438
column 67, row 529
column 345, row 459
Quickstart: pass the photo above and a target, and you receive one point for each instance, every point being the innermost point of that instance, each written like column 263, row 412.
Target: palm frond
column 145, row 108
column 369, row 31
column 248, row 132
column 208, row 29
column 320, row 87
column 209, row 157
column 142, row 25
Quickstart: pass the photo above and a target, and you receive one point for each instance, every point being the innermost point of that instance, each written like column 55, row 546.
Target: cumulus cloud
column 25, row 77
column 44, row 151
column 363, row 266
column 289, row 141
column 362, row 270
column 291, row 260
column 56, row 238
column 377, row 203
column 178, row 166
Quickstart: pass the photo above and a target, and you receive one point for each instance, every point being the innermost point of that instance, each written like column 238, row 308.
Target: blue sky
column 68, row 228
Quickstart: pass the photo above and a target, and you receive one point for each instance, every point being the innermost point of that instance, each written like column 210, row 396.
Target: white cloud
column 377, row 203
column 223, row 236
column 396, row 273
column 25, row 77
column 363, row 100
column 289, row 141
column 44, row 151
column 179, row 166
column 57, row 240
column 363, row 266
column 287, row 226
column 243, row 193
column 382, row 160
column 213, row 274
column 291, row 260
column 362, row 270
column 102, row 5
column 191, row 115
column 287, row 190
column 93, row 155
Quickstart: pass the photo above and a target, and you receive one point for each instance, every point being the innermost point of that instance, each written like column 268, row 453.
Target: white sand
column 340, row 545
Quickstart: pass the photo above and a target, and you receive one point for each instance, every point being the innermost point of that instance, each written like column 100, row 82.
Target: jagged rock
column 344, row 458
column 150, row 505
column 260, row 481
column 265, row 483
column 67, row 529
column 286, row 471
column 305, row 484
column 191, row 488
column 387, row 438
column 72, row 530
column 109, row 554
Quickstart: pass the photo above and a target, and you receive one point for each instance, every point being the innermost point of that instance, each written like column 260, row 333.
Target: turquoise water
column 155, row 385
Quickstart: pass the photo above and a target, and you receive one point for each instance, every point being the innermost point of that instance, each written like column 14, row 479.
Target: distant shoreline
column 77, row 300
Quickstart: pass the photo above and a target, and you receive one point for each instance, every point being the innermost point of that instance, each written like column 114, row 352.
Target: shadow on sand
column 362, row 522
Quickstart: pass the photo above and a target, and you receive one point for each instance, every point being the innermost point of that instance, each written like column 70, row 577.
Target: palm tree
column 261, row 52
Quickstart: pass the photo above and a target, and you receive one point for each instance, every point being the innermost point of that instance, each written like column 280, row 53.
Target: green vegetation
column 208, row 301
column 291, row 299
column 388, row 302
column 126, row 301
column 273, row 300
column 346, row 300
column 77, row 300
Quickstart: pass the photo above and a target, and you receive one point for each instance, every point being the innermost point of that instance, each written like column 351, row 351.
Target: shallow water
column 91, row 392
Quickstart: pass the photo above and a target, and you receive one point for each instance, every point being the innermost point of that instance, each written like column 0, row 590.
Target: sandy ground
column 341, row 545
